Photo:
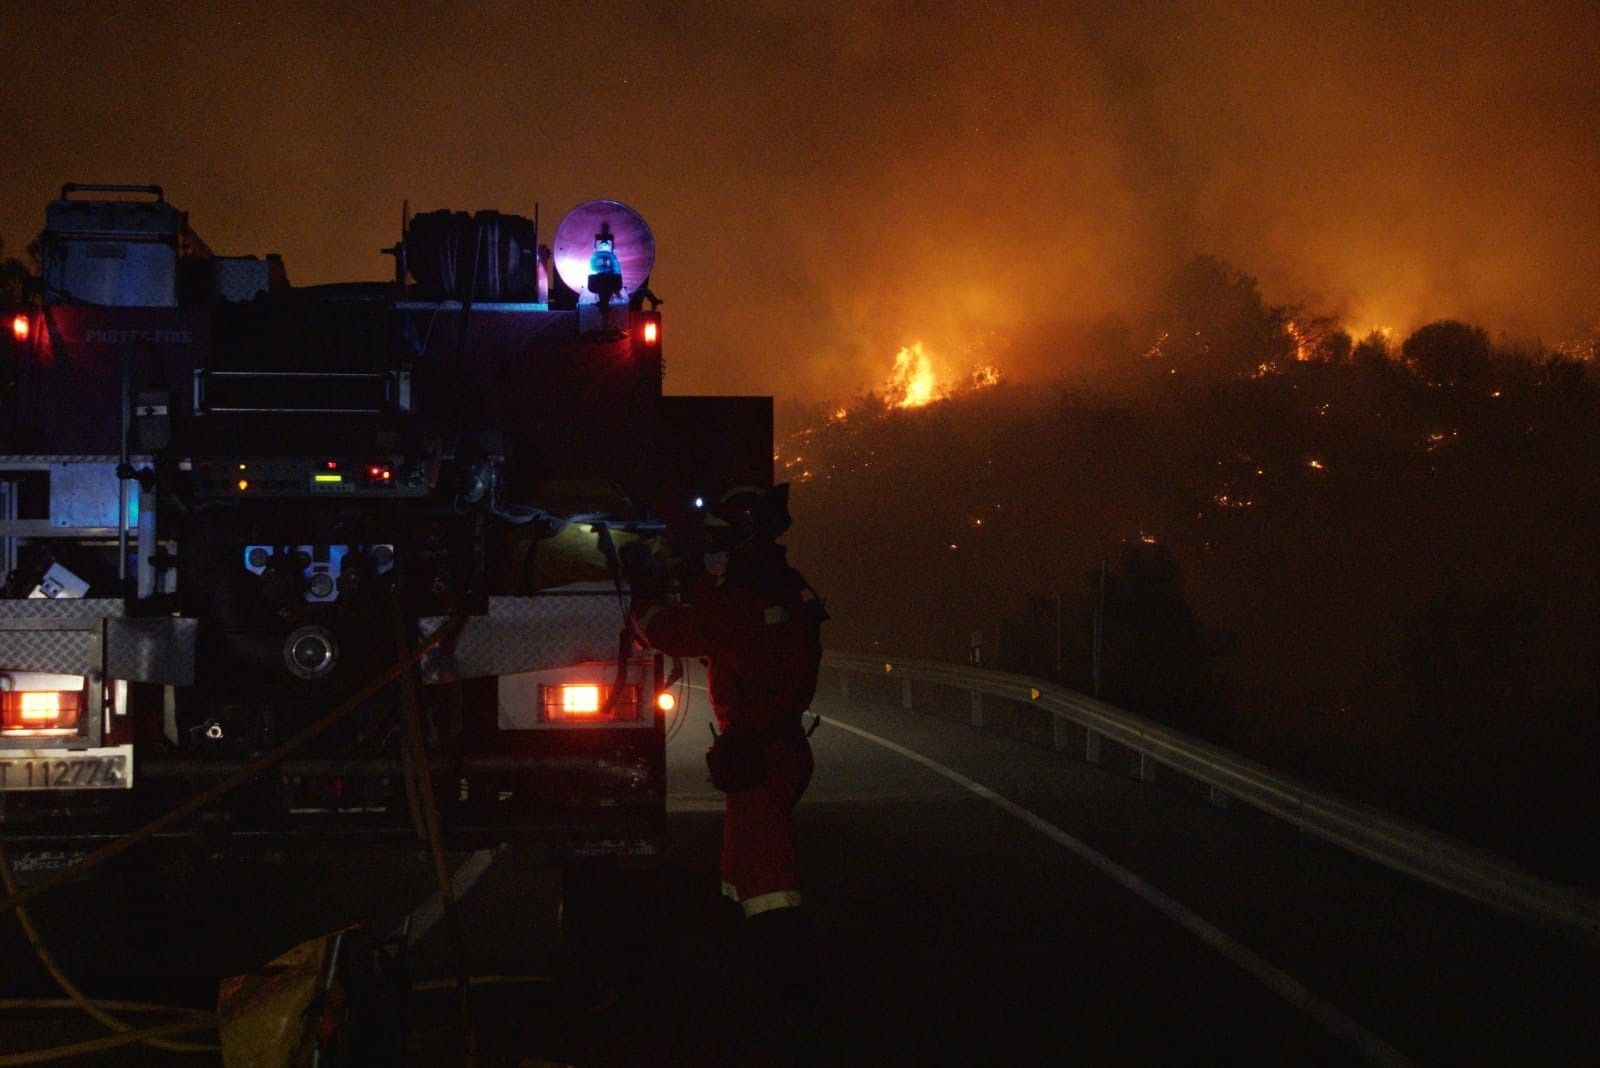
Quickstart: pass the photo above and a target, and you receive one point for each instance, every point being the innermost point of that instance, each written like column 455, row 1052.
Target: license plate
column 110, row 768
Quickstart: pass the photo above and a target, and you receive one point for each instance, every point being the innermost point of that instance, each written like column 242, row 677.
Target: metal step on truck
column 232, row 509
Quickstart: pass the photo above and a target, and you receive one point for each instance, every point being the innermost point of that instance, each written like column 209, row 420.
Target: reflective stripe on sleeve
column 776, row 614
column 778, row 899
column 730, row 891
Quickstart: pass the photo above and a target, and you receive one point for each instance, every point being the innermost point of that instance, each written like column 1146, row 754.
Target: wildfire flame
column 1302, row 346
column 913, row 382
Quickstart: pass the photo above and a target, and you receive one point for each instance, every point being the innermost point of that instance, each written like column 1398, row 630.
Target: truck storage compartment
column 114, row 252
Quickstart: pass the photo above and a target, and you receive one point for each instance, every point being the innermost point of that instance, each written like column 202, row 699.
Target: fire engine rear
column 230, row 506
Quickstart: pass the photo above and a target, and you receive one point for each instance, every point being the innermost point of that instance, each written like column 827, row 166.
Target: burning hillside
column 1389, row 563
column 914, row 382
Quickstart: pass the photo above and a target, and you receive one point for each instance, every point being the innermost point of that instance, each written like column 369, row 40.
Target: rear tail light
column 580, row 700
column 52, row 711
column 652, row 332
column 666, row 701
column 21, row 327
column 587, row 702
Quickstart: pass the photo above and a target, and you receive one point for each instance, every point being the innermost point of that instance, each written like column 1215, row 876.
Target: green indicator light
column 327, row 478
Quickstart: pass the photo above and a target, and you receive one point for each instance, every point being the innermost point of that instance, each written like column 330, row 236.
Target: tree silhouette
column 1157, row 656
column 1373, row 350
column 1447, row 353
column 1335, row 346
column 1213, row 320
column 15, row 275
column 1567, row 384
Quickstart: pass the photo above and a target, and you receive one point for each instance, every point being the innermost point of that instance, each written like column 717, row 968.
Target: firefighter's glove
column 647, row 576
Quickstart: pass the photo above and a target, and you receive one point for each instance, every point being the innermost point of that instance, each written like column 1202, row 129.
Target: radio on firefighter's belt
column 735, row 760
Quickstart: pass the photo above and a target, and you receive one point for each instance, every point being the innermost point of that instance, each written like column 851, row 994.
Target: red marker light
column 21, row 327
column 652, row 332
column 331, row 465
column 666, row 701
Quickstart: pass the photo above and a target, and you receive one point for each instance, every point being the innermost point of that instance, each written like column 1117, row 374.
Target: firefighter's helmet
column 748, row 513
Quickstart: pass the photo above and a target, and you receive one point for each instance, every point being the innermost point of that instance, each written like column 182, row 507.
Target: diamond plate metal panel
column 239, row 277
column 41, row 461
column 62, row 635
column 84, row 609
column 60, row 652
column 151, row 650
column 534, row 633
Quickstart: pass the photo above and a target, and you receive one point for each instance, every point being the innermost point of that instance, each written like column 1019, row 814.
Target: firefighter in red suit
column 758, row 625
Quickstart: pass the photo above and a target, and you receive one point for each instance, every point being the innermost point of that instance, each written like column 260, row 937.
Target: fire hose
column 427, row 805
column 124, row 1032
column 419, row 785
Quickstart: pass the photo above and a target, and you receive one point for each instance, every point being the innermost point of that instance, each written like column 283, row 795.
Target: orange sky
column 829, row 184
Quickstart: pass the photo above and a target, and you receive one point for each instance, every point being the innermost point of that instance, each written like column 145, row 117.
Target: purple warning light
column 635, row 246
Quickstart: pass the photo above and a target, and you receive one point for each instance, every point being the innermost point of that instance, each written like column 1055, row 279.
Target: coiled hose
column 199, row 1019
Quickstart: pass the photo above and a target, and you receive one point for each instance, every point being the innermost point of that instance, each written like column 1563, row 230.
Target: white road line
column 695, row 803
column 1281, row 983
column 425, row 915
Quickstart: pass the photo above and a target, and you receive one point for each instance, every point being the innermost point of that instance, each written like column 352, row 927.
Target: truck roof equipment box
column 122, row 253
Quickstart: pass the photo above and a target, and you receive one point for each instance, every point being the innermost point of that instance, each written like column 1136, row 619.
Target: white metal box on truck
column 123, row 253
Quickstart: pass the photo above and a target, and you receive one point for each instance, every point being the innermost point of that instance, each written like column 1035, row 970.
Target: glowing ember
column 985, row 376
column 913, row 382
column 1441, row 439
column 1583, row 350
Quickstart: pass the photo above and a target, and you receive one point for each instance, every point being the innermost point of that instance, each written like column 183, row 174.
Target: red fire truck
column 230, row 505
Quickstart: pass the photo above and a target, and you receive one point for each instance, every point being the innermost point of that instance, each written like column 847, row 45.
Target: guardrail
column 1361, row 829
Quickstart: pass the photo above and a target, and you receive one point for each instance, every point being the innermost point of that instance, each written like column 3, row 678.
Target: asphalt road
column 980, row 900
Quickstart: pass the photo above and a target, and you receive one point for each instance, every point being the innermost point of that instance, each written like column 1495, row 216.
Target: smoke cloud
column 828, row 186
